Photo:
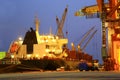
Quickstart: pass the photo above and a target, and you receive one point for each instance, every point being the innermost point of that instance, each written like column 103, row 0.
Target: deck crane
column 86, row 34
column 82, row 40
column 85, row 40
column 91, row 33
column 77, row 52
column 108, row 13
column 60, row 24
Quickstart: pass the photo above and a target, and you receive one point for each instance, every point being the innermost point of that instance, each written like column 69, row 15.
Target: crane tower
column 109, row 13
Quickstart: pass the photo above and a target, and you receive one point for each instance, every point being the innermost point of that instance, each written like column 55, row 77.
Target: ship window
column 47, row 46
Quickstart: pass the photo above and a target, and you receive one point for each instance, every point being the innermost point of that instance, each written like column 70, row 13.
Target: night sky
column 17, row 16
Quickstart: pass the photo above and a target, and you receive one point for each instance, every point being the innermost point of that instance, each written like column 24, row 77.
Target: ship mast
column 37, row 23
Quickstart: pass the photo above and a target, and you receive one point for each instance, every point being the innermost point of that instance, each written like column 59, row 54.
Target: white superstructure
column 47, row 45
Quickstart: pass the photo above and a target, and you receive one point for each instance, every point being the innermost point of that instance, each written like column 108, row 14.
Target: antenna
column 37, row 23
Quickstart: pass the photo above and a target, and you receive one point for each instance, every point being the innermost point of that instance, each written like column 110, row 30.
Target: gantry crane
column 60, row 24
column 108, row 13
column 95, row 12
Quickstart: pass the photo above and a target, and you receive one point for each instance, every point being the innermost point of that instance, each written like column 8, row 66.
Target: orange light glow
column 116, row 54
column 118, row 36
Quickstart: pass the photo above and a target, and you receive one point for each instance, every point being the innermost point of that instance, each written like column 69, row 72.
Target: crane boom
column 89, row 39
column 60, row 24
column 63, row 18
column 85, row 36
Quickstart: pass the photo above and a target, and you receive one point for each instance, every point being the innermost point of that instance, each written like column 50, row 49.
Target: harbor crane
column 109, row 13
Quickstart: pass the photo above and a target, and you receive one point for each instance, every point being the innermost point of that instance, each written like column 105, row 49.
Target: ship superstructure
column 39, row 46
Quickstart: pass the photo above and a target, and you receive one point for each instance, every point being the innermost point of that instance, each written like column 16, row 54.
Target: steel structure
column 87, row 37
column 60, row 24
column 109, row 13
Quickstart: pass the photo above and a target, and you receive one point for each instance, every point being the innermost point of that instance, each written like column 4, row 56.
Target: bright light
column 15, row 42
column 79, row 46
column 58, row 51
column 44, row 55
column 47, row 50
column 57, row 37
column 118, row 36
column 53, row 40
column 106, row 24
column 46, row 40
column 42, row 41
column 65, row 54
column 50, row 55
column 36, row 55
column 20, row 38
column 119, row 57
column 53, row 50
column 20, row 42
column 72, row 44
column 28, row 56
column 49, row 36
column 108, row 9
column 12, row 56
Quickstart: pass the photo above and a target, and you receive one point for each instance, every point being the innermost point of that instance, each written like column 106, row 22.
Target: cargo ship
column 35, row 45
column 45, row 51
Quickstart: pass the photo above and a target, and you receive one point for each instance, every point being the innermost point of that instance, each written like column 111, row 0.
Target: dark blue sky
column 17, row 16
